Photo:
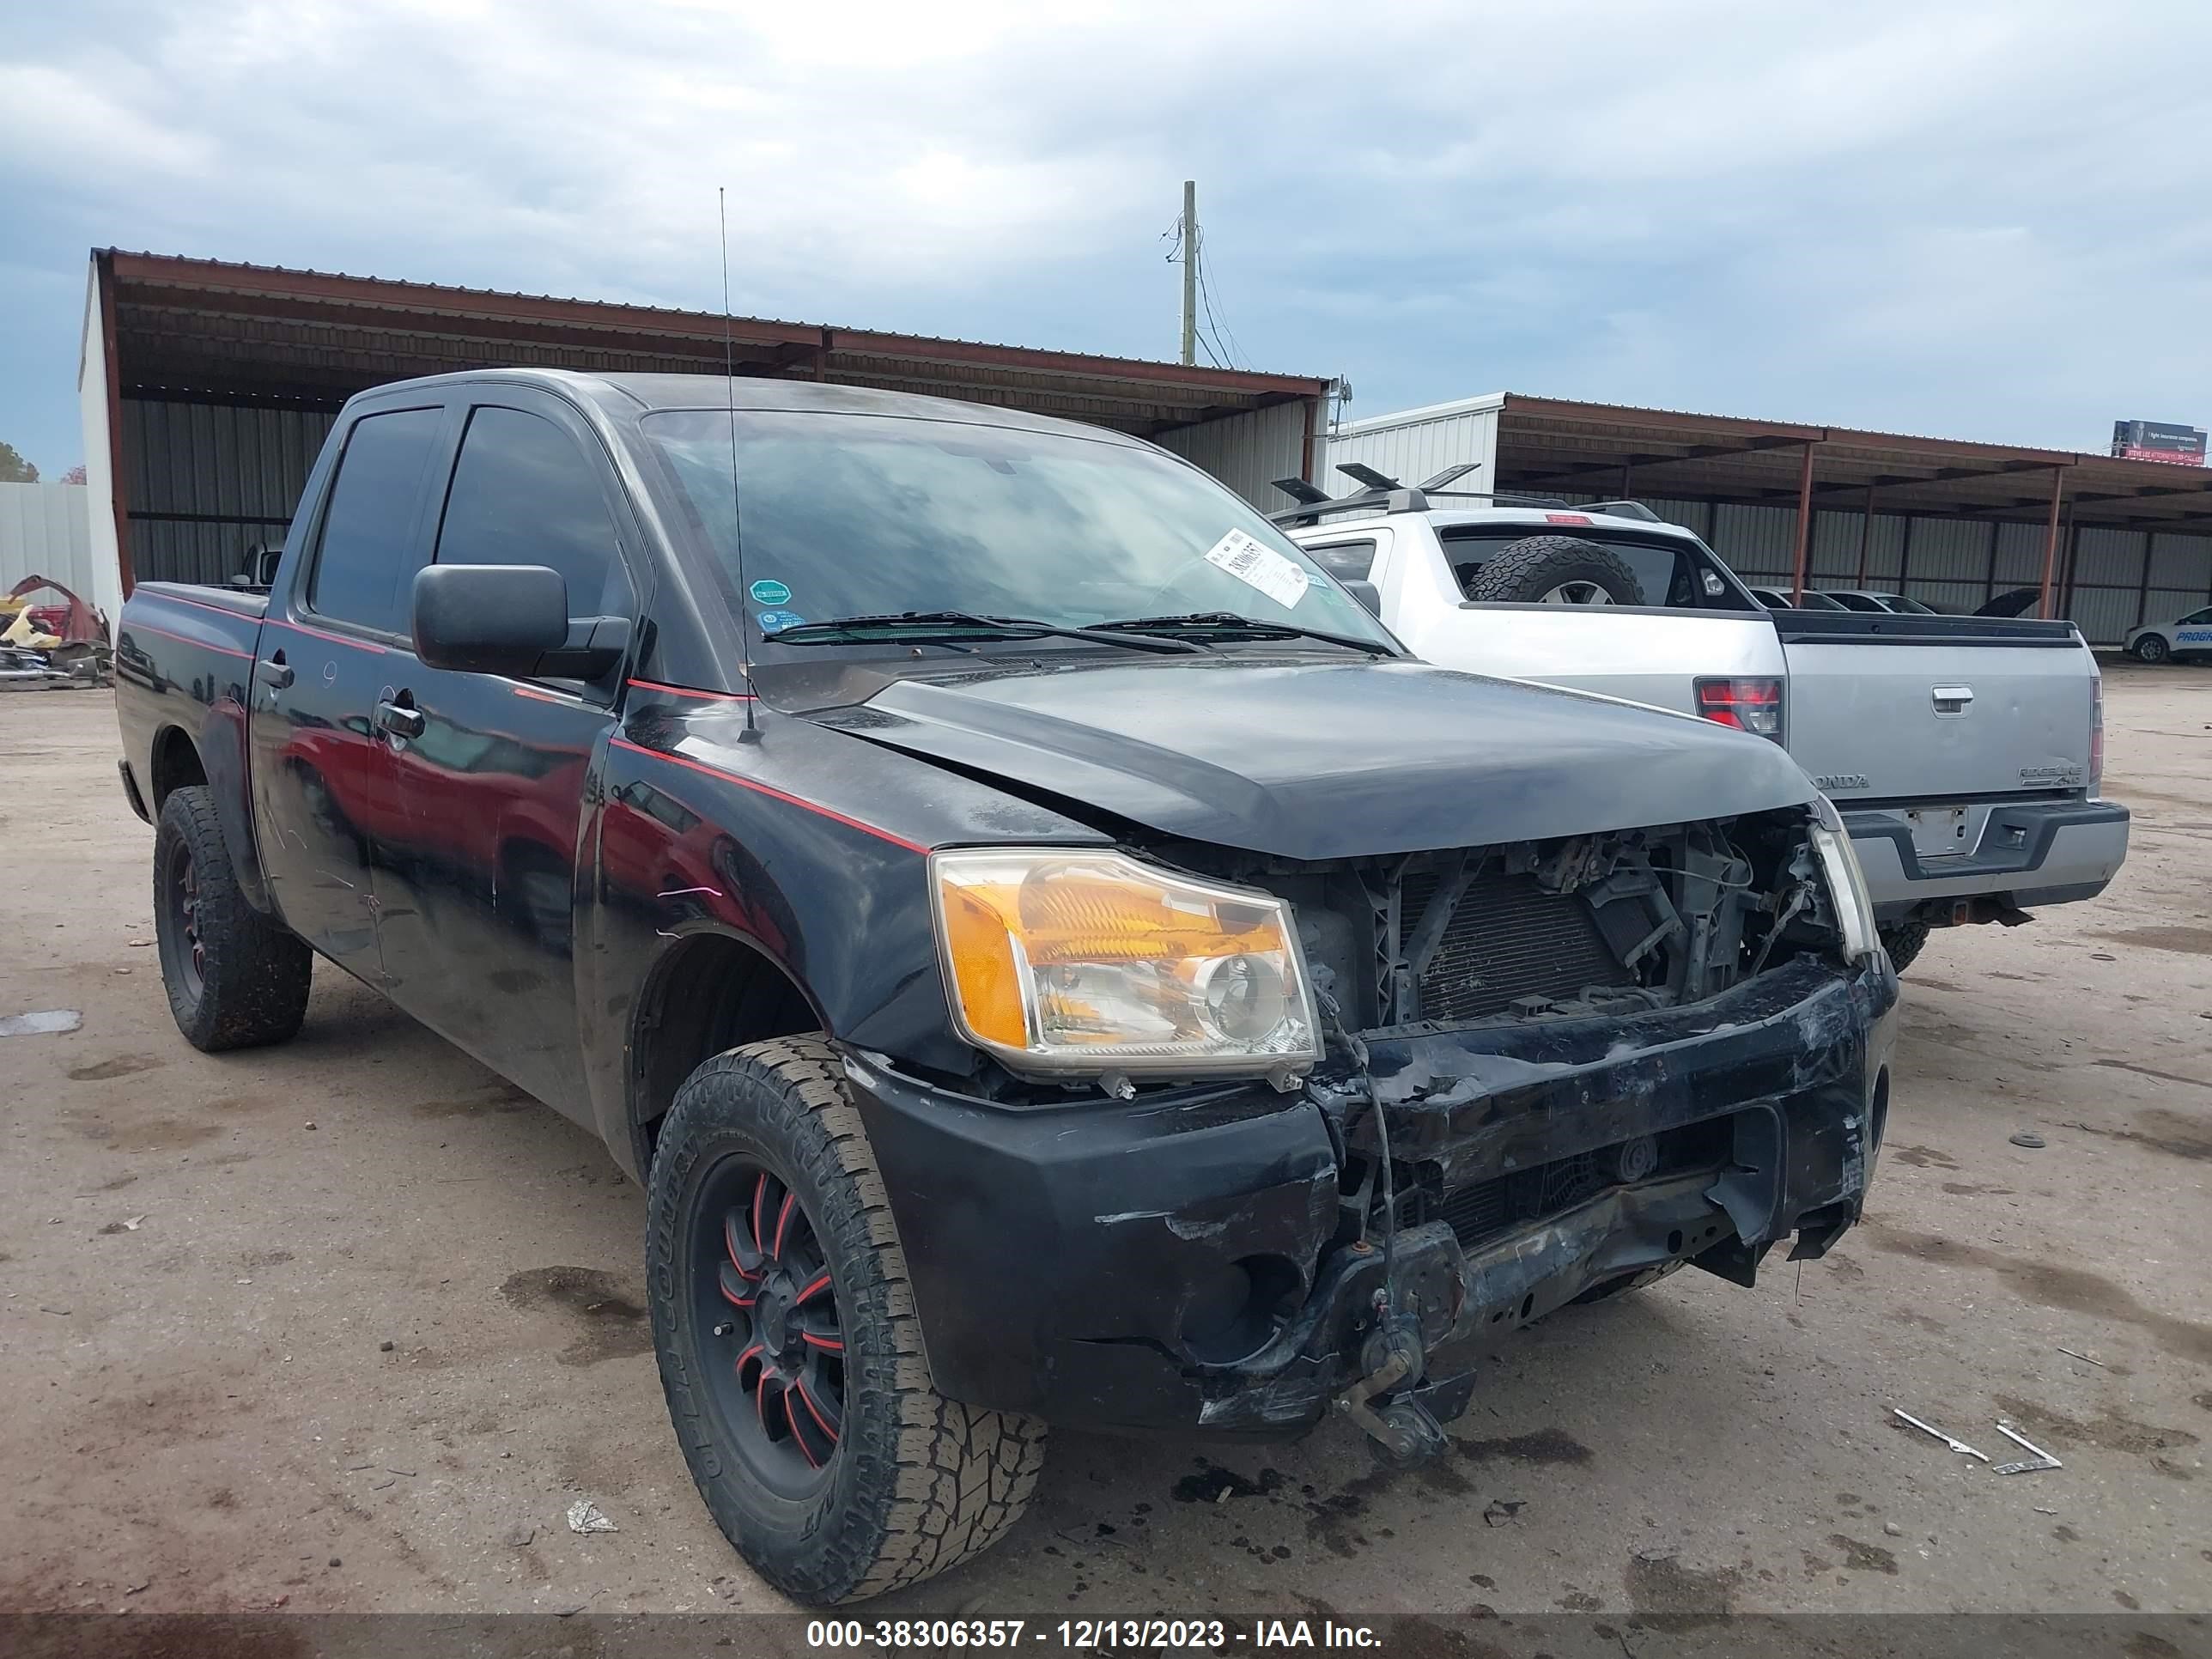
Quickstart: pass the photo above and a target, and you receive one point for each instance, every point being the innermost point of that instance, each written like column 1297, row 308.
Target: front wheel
column 790, row 1350
column 2153, row 648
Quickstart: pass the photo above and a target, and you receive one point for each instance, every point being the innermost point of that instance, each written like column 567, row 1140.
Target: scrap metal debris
column 584, row 1515
column 1960, row 1446
column 2098, row 1363
column 2030, row 1140
column 47, row 1020
column 2043, row 1460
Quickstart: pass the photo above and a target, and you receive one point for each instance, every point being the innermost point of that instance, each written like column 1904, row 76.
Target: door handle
column 1951, row 700
column 276, row 672
column 399, row 719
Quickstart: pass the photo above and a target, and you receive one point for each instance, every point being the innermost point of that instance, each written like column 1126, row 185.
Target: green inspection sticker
column 770, row 592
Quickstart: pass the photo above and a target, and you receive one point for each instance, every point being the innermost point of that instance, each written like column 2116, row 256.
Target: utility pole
column 1189, row 270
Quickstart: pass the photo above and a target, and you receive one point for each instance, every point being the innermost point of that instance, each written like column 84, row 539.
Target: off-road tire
column 919, row 1482
column 2151, row 648
column 1903, row 940
column 1522, row 572
column 255, row 975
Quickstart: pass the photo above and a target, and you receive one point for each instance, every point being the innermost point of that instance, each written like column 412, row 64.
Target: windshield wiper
column 944, row 627
column 1258, row 628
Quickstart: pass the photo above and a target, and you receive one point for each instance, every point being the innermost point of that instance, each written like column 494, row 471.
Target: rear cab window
column 1675, row 575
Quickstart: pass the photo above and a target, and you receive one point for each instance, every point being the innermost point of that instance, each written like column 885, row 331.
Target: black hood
column 1327, row 759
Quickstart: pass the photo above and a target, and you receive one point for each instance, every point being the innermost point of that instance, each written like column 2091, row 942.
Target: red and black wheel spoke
column 774, row 1302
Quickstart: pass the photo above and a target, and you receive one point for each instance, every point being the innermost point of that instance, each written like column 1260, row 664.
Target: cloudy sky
column 1976, row 220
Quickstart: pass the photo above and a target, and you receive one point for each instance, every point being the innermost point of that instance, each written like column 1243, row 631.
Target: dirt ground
column 347, row 1325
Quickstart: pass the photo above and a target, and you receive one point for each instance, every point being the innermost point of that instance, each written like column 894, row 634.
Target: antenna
column 736, row 525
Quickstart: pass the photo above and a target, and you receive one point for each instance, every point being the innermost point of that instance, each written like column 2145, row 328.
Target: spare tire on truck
column 1555, row 570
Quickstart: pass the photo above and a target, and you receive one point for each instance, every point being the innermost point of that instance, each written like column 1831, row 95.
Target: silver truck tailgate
column 1930, row 709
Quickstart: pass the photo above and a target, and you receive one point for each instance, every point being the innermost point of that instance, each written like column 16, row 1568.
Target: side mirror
column 510, row 619
column 1368, row 594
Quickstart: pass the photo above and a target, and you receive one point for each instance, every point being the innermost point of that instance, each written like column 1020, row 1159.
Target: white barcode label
column 1259, row 566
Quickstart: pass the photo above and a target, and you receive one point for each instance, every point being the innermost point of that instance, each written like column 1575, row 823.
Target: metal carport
column 2111, row 543
column 207, row 388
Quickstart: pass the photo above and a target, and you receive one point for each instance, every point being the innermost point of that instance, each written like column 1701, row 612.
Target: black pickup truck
column 1049, row 954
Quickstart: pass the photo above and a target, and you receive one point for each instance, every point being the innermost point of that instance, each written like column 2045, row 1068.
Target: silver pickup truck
column 1964, row 752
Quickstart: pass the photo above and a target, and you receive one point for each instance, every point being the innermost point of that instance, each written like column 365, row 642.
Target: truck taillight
column 1752, row 705
column 2096, row 736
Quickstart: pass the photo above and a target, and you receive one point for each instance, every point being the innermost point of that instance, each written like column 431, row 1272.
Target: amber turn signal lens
column 1065, row 961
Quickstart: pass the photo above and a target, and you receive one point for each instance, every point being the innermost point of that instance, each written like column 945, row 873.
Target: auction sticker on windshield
column 1257, row 565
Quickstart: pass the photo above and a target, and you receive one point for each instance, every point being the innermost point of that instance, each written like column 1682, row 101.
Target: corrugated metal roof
column 269, row 296
column 1547, row 444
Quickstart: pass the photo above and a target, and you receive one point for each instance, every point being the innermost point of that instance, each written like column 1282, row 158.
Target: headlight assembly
column 1066, row 962
column 1847, row 888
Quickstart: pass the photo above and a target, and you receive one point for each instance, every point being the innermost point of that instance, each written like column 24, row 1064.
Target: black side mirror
column 510, row 619
column 1368, row 594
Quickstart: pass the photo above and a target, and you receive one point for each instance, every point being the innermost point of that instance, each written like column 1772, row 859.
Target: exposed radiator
column 1509, row 938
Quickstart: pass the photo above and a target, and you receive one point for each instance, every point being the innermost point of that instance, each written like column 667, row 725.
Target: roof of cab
column 636, row 393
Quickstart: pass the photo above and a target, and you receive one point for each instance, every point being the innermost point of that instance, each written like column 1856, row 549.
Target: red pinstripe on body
column 187, row 639
column 769, row 789
column 687, row 691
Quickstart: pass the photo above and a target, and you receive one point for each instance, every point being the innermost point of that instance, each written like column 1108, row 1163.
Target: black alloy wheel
column 187, row 950
column 776, row 1370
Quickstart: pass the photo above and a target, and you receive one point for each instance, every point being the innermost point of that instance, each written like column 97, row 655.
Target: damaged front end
column 1553, row 1070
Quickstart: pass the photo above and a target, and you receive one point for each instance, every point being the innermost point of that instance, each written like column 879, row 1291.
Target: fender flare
column 221, row 745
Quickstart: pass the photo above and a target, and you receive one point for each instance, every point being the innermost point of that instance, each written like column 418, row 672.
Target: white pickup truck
column 1964, row 752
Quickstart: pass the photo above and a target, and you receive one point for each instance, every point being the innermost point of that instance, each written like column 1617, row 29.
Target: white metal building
column 46, row 531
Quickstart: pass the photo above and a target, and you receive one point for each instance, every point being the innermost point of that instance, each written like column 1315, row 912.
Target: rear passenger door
column 321, row 772
column 491, row 773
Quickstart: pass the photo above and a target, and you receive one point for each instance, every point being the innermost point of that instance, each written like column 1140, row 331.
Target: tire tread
column 1530, row 565
column 963, row 1475
column 254, row 987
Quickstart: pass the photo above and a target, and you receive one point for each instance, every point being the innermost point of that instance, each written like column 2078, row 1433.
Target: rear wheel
column 235, row 979
column 1903, row 940
column 1555, row 570
column 789, row 1346
column 2153, row 647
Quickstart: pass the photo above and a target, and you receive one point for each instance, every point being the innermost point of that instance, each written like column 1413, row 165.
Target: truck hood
column 1307, row 760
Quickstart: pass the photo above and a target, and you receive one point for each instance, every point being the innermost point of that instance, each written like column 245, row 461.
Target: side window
column 1348, row 561
column 523, row 493
column 364, row 539
column 2195, row 618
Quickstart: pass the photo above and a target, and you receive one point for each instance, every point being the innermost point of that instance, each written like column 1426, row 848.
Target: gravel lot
column 347, row 1325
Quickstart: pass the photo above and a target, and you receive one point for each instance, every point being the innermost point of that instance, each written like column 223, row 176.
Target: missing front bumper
column 1085, row 1263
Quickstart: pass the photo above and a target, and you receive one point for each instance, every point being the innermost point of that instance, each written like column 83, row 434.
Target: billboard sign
column 2158, row 440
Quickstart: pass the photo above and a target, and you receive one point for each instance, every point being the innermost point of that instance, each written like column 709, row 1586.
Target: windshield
column 852, row 516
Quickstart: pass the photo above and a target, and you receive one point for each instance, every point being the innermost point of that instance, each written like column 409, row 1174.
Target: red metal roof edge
column 1854, row 436
column 226, row 276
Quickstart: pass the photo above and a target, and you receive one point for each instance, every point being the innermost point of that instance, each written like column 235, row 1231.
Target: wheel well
column 709, row 993
column 176, row 764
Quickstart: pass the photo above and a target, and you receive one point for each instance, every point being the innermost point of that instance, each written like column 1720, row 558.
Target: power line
column 1232, row 350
